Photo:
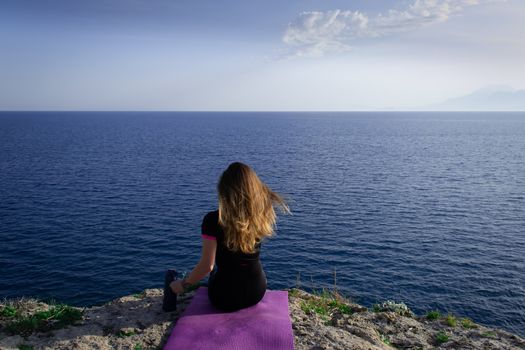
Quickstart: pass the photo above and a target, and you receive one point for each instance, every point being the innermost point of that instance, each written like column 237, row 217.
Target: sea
column 416, row 207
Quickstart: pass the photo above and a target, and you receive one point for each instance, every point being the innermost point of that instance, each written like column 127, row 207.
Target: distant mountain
column 490, row 98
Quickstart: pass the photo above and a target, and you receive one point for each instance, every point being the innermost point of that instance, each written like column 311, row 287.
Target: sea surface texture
column 424, row 208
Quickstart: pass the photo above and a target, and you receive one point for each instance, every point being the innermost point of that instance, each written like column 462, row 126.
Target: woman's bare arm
column 206, row 262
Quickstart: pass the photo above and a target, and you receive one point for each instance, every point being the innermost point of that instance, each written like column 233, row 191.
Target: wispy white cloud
column 315, row 33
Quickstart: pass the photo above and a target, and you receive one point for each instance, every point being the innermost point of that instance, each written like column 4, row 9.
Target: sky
column 242, row 55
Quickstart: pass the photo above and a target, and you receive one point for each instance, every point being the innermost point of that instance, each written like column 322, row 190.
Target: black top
column 239, row 280
column 225, row 258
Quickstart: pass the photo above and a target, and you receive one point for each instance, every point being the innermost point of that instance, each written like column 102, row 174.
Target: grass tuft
column 342, row 307
column 442, row 337
column 325, row 303
column 385, row 339
column 467, row 323
column 314, row 306
column 8, row 311
column 58, row 316
column 451, row 320
column 124, row 334
column 294, row 292
column 433, row 315
column 24, row 347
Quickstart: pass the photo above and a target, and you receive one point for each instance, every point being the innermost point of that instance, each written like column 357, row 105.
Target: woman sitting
column 231, row 238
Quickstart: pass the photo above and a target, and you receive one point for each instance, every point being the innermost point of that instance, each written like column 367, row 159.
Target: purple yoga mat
column 264, row 326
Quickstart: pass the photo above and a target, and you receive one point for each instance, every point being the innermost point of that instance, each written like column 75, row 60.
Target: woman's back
column 239, row 280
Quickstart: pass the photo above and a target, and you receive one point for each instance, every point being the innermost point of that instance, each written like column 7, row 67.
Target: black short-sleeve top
column 224, row 257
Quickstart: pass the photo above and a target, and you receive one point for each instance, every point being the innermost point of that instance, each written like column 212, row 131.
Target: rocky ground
column 137, row 322
column 359, row 328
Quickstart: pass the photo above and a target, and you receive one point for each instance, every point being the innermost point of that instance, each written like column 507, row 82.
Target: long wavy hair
column 246, row 208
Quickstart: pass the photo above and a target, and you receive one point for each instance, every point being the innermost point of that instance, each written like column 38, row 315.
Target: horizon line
column 261, row 111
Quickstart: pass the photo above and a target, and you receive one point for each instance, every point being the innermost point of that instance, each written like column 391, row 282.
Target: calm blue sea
column 425, row 208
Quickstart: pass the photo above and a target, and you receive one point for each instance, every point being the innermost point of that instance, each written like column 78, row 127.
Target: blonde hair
column 246, row 211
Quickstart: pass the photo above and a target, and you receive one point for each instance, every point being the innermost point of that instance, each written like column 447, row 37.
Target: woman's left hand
column 176, row 287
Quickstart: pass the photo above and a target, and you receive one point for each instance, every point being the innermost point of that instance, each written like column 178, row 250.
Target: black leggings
column 237, row 288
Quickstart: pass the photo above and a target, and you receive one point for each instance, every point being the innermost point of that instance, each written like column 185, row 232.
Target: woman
column 232, row 236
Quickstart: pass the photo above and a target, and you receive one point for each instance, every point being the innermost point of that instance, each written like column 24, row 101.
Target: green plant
column 433, row 315
column 8, row 311
column 294, row 292
column 467, row 323
column 336, row 301
column 24, row 347
column 342, row 307
column 123, row 334
column 451, row 320
column 57, row 316
column 442, row 337
column 314, row 306
column 385, row 339
column 391, row 306
column 139, row 295
column 325, row 303
column 137, row 347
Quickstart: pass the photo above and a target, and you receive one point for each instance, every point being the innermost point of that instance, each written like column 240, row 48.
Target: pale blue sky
column 255, row 55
